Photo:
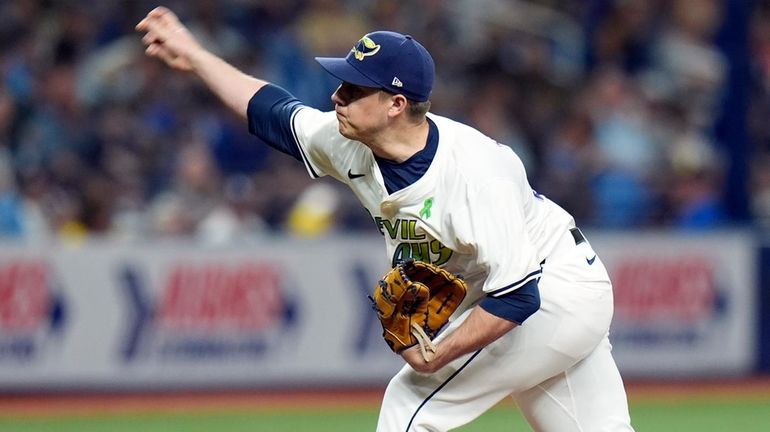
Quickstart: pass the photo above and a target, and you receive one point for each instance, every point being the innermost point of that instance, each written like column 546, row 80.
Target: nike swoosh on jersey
column 590, row 261
column 354, row 176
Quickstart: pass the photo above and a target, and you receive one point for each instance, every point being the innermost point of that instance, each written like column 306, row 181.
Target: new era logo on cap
column 387, row 60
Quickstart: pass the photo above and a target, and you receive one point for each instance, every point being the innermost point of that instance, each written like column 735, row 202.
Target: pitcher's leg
column 587, row 397
column 442, row 401
column 467, row 387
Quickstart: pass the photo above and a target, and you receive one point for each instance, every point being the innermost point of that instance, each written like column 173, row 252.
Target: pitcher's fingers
column 159, row 30
column 147, row 24
column 153, row 50
column 159, row 11
column 161, row 20
column 151, row 38
column 158, row 51
column 153, row 18
column 150, row 18
column 167, row 20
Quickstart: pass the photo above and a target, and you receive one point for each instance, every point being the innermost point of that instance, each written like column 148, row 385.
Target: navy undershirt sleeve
column 516, row 306
column 269, row 117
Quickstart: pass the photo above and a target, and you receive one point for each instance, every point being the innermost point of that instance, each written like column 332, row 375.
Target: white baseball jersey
column 473, row 212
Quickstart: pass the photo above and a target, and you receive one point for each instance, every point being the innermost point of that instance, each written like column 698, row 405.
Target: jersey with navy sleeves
column 451, row 204
column 269, row 115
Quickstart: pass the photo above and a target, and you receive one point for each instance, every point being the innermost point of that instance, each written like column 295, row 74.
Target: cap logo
column 365, row 48
column 397, row 82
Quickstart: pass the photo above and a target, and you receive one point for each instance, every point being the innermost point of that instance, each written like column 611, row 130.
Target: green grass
column 316, row 421
column 681, row 416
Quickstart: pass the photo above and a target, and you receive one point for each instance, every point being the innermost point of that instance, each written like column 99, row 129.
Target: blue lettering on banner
column 368, row 339
column 141, row 311
column 197, row 349
column 366, row 318
column 657, row 338
column 22, row 348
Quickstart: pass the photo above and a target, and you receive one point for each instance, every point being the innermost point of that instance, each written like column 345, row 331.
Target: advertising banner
column 288, row 314
column 685, row 305
column 293, row 313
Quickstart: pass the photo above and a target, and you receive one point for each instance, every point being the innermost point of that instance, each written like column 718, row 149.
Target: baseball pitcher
column 495, row 292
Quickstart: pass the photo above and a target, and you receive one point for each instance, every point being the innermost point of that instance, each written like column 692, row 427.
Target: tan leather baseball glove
column 414, row 301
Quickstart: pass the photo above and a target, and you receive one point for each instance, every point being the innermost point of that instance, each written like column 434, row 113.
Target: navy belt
column 577, row 235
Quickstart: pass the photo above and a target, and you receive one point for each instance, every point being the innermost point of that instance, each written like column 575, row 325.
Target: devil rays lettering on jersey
column 413, row 241
column 431, row 219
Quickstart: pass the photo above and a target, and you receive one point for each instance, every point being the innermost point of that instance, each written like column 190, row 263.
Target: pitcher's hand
column 168, row 39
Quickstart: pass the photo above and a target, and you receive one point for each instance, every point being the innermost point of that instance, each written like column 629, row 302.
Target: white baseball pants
column 557, row 366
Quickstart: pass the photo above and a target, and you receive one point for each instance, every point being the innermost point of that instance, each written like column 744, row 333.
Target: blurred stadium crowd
column 629, row 113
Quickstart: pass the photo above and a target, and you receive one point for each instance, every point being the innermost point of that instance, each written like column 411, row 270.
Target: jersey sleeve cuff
column 515, row 306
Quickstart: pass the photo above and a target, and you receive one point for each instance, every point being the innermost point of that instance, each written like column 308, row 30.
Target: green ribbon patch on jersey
column 425, row 212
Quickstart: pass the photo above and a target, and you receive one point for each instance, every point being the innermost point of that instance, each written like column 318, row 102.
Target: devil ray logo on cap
column 365, row 48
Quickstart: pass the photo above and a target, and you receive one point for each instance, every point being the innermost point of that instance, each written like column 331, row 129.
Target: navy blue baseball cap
column 387, row 60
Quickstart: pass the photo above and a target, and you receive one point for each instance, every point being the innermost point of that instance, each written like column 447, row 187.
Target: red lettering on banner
column 219, row 296
column 24, row 297
column 667, row 289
